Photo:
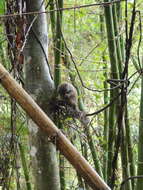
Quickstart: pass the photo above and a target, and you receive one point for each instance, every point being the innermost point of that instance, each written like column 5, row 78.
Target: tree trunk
column 39, row 84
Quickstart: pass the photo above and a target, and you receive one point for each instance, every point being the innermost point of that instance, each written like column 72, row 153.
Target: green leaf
column 2, row 7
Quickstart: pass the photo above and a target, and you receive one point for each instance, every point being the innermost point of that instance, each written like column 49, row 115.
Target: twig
column 107, row 106
column 61, row 9
column 27, row 33
column 134, row 84
column 130, row 178
column 78, row 73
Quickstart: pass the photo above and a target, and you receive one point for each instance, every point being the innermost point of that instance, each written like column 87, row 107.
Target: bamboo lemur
column 68, row 94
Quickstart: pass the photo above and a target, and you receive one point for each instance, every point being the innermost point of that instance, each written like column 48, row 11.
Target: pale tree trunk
column 40, row 85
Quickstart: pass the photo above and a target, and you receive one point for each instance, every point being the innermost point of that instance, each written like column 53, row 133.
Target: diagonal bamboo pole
column 43, row 121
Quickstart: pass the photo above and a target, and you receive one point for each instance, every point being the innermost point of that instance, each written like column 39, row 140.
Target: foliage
column 82, row 33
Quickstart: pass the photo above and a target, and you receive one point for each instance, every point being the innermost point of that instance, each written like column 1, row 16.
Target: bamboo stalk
column 45, row 123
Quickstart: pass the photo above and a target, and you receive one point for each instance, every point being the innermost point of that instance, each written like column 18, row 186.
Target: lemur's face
column 67, row 90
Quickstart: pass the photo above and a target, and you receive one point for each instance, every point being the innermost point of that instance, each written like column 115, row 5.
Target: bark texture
column 40, row 85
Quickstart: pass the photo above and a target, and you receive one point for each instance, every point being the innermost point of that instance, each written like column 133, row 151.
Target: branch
column 107, row 106
column 61, row 9
column 130, row 178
